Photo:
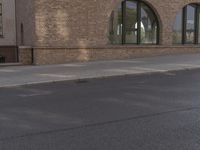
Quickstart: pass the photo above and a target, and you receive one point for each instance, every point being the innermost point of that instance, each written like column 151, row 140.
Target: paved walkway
column 23, row 75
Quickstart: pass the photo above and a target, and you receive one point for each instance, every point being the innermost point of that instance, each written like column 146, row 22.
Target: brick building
column 60, row 31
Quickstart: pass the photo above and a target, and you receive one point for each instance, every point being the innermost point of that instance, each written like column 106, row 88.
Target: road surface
column 158, row 111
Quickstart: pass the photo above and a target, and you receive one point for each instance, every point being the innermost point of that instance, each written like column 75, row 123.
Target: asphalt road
column 147, row 112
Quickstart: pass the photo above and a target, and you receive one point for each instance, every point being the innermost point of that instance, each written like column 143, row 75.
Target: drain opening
column 81, row 81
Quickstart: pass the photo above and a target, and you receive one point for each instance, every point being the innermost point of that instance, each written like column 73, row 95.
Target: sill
column 133, row 45
column 115, row 46
column 24, row 47
column 153, row 46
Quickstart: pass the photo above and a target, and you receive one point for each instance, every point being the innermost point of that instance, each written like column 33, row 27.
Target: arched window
column 186, row 29
column 133, row 22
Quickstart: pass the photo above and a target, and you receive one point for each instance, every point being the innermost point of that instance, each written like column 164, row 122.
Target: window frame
column 139, row 8
column 196, row 24
column 1, row 15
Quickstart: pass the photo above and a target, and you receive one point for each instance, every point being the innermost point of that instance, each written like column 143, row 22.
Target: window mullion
column 184, row 25
column 138, row 22
column 157, row 32
column 124, row 22
column 197, row 25
column 1, row 15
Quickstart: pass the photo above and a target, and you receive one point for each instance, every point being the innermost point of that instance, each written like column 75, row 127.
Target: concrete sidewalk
column 23, row 75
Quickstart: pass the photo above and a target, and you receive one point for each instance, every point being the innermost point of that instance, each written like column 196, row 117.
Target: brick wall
column 66, row 55
column 65, row 30
column 25, row 55
column 85, row 24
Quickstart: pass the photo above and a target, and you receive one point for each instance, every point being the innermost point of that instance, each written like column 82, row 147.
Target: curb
column 82, row 80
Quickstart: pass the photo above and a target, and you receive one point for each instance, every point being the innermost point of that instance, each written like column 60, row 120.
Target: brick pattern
column 78, row 30
column 62, row 55
column 85, row 24
column 25, row 55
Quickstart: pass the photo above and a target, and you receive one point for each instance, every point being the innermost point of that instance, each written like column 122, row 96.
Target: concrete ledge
column 10, row 64
column 25, row 47
column 119, row 46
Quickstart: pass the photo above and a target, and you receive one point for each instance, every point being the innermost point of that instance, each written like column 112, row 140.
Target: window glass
column 148, row 25
column 177, row 28
column 116, row 26
column 198, row 13
column 131, row 22
column 186, row 29
column 190, row 24
column 125, row 24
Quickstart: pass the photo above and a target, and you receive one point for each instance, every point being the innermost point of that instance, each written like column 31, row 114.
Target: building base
column 8, row 54
column 25, row 55
column 41, row 56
